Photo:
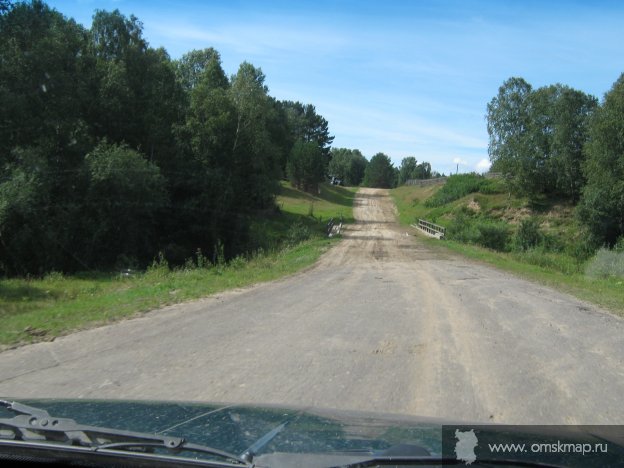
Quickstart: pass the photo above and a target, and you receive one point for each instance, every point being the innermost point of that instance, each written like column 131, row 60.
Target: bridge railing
column 431, row 229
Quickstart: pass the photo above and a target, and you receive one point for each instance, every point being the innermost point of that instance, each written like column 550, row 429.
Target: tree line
column 110, row 151
column 559, row 142
column 353, row 168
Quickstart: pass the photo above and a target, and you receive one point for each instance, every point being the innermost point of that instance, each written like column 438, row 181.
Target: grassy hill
column 288, row 239
column 541, row 240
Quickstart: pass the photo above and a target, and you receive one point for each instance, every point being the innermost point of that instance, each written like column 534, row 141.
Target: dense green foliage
column 411, row 169
column 537, row 137
column 602, row 203
column 460, row 185
column 347, row 165
column 559, row 142
column 305, row 165
column 111, row 152
column 380, row 172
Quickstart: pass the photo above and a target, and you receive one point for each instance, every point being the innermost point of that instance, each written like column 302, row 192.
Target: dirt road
column 382, row 323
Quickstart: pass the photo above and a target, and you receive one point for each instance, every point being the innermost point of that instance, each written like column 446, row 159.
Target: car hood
column 321, row 437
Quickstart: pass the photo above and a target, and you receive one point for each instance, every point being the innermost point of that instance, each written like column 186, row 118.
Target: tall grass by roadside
column 460, row 185
column 606, row 264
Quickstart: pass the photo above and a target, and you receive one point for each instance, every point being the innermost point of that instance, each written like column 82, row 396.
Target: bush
column 528, row 235
column 491, row 186
column 237, row 262
column 456, row 186
column 297, row 232
column 462, row 228
column 581, row 251
column 493, row 235
column 606, row 263
column 159, row 267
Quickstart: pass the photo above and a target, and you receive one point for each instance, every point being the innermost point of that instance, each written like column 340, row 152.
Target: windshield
column 412, row 209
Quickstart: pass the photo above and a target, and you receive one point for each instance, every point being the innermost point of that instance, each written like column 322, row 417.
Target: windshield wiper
column 36, row 425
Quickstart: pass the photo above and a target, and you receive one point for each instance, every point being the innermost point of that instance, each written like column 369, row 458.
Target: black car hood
column 319, row 437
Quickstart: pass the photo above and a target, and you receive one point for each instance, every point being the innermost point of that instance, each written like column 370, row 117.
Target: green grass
column 41, row 309
column 460, row 185
column 332, row 202
column 558, row 262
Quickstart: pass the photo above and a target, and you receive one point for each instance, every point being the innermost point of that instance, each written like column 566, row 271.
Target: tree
column 125, row 195
column 348, row 165
column 565, row 113
column 407, row 169
column 379, row 172
column 536, row 137
column 204, row 191
column 192, row 65
column 508, row 122
column 423, row 171
column 5, row 6
column 139, row 98
column 602, row 203
column 306, row 166
column 24, row 195
column 256, row 161
column 357, row 168
column 43, row 70
column 306, row 125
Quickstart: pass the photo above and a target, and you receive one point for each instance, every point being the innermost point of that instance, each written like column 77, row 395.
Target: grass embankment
column 289, row 240
column 538, row 240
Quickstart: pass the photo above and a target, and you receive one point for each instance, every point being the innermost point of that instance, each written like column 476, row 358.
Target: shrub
column 581, row 251
column 297, row 232
column 491, row 186
column 159, row 267
column 528, row 235
column 493, row 235
column 606, row 263
column 456, row 186
column 238, row 262
column 462, row 228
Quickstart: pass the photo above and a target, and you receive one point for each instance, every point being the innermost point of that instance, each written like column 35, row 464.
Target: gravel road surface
column 381, row 323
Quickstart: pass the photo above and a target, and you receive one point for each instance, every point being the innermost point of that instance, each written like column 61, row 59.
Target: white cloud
column 483, row 165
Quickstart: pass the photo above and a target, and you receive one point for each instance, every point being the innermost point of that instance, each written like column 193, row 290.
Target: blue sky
column 407, row 78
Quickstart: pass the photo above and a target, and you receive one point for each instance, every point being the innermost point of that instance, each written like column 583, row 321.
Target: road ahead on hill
column 381, row 323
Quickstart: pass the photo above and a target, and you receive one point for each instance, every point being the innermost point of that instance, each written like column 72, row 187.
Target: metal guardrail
column 430, row 229
column 332, row 228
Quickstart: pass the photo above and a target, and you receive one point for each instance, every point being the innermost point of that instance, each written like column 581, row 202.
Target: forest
column 111, row 152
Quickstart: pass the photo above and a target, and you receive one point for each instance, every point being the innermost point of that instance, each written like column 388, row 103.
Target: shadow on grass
column 22, row 293
column 338, row 195
column 330, row 193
